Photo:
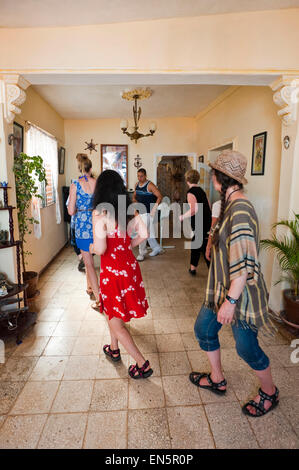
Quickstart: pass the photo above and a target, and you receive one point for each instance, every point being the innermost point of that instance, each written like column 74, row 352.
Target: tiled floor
column 58, row 390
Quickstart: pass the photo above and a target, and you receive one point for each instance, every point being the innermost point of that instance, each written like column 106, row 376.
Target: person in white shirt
column 215, row 215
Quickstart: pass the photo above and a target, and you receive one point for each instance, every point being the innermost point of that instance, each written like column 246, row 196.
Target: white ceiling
column 104, row 101
column 39, row 13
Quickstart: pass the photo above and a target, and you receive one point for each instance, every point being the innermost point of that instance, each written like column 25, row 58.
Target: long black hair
column 109, row 187
column 226, row 182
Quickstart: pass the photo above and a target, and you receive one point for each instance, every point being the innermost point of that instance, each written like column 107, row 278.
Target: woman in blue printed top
column 80, row 203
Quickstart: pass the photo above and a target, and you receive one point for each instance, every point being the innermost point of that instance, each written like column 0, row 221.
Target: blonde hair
column 192, row 176
column 84, row 163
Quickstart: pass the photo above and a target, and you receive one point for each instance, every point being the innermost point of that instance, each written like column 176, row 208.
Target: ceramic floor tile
column 59, row 346
column 73, row 396
column 174, row 363
column 142, row 326
column 44, row 328
column 230, row 427
column 190, row 342
column 31, row 346
column 63, row 431
column 17, row 369
column 165, row 327
column 21, row 432
column 35, row 398
column 51, row 314
column 9, row 392
column 199, row 361
column 87, row 345
column 289, row 406
column 49, row 368
column 147, row 394
column 162, row 313
column 81, row 368
column 168, row 343
column 159, row 302
column 107, row 369
column 189, row 428
column 282, row 435
column 185, row 325
column 184, row 311
column 179, row 391
column 148, row 429
column 284, row 354
column 146, row 344
column 106, row 430
column 178, row 299
column 67, row 328
column 110, row 395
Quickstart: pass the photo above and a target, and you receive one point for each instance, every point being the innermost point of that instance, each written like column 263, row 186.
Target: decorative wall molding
column 12, row 95
column 286, row 96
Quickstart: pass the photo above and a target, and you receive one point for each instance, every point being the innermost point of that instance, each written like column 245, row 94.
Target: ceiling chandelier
column 135, row 95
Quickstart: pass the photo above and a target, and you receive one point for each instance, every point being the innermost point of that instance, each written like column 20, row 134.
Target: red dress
column 122, row 293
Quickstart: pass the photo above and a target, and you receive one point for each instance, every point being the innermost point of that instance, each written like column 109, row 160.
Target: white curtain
column 42, row 144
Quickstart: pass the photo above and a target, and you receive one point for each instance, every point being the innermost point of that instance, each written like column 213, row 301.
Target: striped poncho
column 238, row 254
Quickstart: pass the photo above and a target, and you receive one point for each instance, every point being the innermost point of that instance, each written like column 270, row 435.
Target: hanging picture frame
column 115, row 157
column 61, row 160
column 258, row 154
column 18, row 139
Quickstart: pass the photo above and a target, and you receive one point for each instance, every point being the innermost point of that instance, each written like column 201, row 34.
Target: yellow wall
column 244, row 113
column 173, row 136
column 39, row 112
column 247, row 41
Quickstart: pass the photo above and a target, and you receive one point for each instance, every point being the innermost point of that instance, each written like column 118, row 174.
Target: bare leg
column 119, row 331
column 91, row 273
column 114, row 340
column 267, row 386
column 216, row 369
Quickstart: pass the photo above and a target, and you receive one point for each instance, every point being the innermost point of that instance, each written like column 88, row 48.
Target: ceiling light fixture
column 135, row 95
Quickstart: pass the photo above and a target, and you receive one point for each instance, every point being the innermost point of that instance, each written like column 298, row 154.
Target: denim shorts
column 206, row 330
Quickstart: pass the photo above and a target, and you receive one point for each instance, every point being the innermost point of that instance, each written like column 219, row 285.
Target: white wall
column 173, row 136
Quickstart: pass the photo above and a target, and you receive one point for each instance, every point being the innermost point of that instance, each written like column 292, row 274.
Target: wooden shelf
column 17, row 289
column 9, row 245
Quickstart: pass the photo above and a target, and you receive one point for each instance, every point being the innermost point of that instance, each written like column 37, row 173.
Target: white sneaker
column 140, row 258
column 156, row 251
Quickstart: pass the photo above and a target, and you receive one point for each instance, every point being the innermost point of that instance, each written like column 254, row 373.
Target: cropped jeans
column 206, row 330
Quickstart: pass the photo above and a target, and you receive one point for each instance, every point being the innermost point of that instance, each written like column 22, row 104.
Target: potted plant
column 28, row 170
column 287, row 250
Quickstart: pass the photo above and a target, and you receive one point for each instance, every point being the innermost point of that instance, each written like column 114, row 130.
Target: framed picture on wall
column 18, row 141
column 258, row 154
column 61, row 160
column 201, row 159
column 115, row 157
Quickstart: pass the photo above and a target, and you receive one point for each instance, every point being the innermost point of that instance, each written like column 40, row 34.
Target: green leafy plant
column 286, row 248
column 28, row 170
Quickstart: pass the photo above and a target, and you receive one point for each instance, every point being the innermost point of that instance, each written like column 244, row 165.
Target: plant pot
column 291, row 306
column 30, row 278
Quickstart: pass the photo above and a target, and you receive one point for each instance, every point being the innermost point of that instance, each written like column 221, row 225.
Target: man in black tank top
column 196, row 195
column 148, row 194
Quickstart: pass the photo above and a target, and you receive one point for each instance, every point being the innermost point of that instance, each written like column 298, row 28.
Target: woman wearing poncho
column 236, row 291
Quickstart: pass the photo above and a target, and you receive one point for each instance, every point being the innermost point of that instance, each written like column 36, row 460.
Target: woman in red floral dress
column 122, row 294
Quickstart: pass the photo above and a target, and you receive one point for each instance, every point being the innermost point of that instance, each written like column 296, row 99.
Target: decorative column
column 12, row 95
column 286, row 96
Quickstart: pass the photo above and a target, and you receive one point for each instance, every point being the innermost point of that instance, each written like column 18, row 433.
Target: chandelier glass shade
column 132, row 132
